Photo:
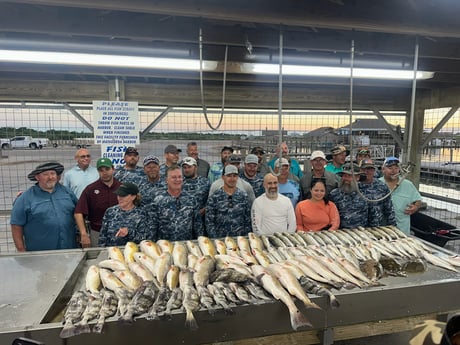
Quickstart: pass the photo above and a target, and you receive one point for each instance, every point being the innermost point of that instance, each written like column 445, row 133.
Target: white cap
column 284, row 161
column 317, row 154
column 251, row 158
column 189, row 161
column 230, row 169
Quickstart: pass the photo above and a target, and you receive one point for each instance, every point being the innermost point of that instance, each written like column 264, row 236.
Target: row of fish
column 155, row 278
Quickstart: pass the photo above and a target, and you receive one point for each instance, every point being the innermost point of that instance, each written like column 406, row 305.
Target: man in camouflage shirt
column 250, row 175
column 228, row 212
column 171, row 158
column 353, row 209
column 174, row 212
column 150, row 185
column 378, row 196
column 196, row 185
column 130, row 172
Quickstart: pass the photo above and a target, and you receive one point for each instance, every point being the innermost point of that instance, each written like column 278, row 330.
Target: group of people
column 181, row 199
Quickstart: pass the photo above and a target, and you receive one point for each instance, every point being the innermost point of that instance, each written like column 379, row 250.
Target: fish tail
column 82, row 329
column 127, row 317
column 299, row 320
column 99, row 326
column 69, row 330
column 190, row 321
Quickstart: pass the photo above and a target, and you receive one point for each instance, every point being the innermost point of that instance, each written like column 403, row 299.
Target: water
column 447, row 154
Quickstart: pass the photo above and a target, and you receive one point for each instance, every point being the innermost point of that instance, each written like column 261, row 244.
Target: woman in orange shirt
column 317, row 213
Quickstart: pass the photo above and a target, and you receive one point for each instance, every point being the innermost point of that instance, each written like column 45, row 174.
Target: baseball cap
column 258, row 149
column 367, row 163
column 230, row 169
column 234, row 159
column 189, row 161
column 284, row 161
column 172, row 149
column 131, row 150
column 151, row 159
column 317, row 154
column 127, row 188
column 389, row 161
column 104, row 162
column 337, row 150
column 363, row 151
column 251, row 158
column 349, row 168
column 227, row 148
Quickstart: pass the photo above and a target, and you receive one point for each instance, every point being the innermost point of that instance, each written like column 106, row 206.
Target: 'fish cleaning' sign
column 116, row 127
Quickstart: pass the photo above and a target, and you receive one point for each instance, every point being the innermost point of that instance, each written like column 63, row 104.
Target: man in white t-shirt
column 272, row 212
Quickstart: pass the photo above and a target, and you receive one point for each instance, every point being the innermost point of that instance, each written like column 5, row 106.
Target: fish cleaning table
column 35, row 285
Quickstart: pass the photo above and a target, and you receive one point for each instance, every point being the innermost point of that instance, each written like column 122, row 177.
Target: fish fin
column 311, row 305
column 69, row 330
column 190, row 321
column 333, row 302
column 299, row 320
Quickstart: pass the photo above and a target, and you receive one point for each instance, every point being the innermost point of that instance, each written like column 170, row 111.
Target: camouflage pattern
column 382, row 212
column 215, row 172
column 175, row 219
column 135, row 220
column 198, row 187
column 228, row 215
column 163, row 168
column 149, row 189
column 133, row 176
column 257, row 183
column 353, row 209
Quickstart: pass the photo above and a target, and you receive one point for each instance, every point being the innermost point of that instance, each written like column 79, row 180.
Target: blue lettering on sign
column 116, row 148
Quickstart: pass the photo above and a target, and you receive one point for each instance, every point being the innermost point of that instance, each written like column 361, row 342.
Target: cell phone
column 26, row 341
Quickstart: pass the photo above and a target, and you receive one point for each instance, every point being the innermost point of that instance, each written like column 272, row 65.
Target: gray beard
column 348, row 188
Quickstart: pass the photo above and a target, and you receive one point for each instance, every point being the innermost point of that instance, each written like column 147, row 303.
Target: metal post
column 407, row 158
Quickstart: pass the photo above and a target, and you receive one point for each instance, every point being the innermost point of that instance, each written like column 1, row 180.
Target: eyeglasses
column 84, row 156
column 230, row 201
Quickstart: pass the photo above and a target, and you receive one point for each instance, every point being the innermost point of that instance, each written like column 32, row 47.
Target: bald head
column 83, row 158
column 271, row 186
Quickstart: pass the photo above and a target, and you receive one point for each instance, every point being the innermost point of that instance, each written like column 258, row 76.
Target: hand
column 85, row 241
column 122, row 232
column 411, row 209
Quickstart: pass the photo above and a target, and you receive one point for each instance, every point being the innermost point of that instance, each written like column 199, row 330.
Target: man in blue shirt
column 405, row 197
column 82, row 174
column 42, row 216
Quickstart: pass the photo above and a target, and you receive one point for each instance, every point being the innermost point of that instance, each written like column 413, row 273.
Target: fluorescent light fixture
column 338, row 72
column 125, row 61
column 101, row 60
